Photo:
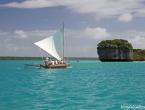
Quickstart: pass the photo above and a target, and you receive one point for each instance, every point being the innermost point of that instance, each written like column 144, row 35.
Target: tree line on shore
column 138, row 55
column 40, row 58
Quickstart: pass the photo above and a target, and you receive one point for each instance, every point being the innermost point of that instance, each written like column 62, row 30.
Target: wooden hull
column 55, row 66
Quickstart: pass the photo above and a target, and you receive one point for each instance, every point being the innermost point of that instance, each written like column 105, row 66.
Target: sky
column 87, row 22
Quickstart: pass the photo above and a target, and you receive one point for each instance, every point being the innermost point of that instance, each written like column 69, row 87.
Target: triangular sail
column 53, row 44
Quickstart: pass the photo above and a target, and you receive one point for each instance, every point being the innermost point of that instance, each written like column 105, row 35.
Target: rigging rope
column 41, row 54
column 66, row 46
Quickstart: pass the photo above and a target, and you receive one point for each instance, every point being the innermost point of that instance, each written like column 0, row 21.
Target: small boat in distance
column 54, row 45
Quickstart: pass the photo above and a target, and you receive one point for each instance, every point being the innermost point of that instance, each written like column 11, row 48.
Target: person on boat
column 46, row 61
column 61, row 61
column 56, row 62
column 52, row 62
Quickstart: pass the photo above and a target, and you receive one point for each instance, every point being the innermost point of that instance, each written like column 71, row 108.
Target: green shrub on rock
column 138, row 55
column 115, row 43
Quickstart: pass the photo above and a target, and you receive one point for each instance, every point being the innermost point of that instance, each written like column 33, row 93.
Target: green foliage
column 138, row 55
column 19, row 58
column 40, row 58
column 115, row 43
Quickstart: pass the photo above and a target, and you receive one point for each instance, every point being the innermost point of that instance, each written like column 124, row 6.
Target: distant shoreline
column 40, row 58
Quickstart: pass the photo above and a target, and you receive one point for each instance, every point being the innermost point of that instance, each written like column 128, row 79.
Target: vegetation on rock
column 115, row 43
column 138, row 55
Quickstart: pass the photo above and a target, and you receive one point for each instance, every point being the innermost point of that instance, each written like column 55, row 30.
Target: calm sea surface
column 86, row 85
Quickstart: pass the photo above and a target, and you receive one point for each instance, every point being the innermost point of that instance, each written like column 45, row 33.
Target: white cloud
column 44, row 33
column 128, row 34
column 141, row 13
column 82, row 51
column 97, row 8
column 95, row 33
column 20, row 34
column 7, row 40
column 84, row 48
column 31, row 4
column 136, row 38
column 11, row 47
column 125, row 17
column 138, row 42
column 3, row 33
column 89, row 33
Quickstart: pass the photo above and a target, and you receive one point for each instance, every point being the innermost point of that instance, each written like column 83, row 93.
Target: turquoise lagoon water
column 86, row 85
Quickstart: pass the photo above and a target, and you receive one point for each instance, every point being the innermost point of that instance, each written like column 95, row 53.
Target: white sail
column 53, row 44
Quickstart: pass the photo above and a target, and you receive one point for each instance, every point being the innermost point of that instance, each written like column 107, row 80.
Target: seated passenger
column 52, row 62
column 61, row 61
column 46, row 61
column 56, row 62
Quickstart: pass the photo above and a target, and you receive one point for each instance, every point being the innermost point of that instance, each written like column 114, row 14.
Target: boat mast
column 63, row 42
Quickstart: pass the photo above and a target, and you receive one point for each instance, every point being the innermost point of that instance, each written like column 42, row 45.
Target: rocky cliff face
column 115, row 54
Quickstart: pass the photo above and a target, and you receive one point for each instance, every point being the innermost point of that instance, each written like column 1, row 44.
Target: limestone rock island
column 115, row 50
